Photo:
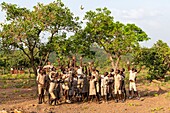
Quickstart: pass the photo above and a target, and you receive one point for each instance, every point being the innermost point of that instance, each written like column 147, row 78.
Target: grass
column 155, row 95
column 17, row 81
column 16, row 76
column 25, row 84
column 5, row 86
column 167, row 95
column 3, row 93
column 134, row 104
column 16, row 91
column 163, row 83
column 84, row 108
column 156, row 109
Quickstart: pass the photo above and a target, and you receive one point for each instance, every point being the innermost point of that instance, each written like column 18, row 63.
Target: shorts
column 40, row 89
column 117, row 90
column 132, row 85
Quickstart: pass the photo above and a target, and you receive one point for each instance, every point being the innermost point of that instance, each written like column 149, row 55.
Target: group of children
column 83, row 84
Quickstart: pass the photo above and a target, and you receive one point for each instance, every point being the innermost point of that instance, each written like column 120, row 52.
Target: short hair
column 133, row 69
column 118, row 71
column 111, row 70
column 123, row 69
column 106, row 73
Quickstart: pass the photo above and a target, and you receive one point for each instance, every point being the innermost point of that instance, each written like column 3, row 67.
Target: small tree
column 156, row 58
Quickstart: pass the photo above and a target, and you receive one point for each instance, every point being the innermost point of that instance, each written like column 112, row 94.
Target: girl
column 92, row 89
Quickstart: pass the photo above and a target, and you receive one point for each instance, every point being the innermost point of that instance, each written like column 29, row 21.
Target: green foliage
column 156, row 59
column 115, row 38
column 24, row 29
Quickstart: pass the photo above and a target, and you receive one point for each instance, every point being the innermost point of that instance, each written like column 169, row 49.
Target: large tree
column 115, row 38
column 24, row 28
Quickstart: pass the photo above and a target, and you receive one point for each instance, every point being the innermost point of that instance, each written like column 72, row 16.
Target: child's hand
column 143, row 67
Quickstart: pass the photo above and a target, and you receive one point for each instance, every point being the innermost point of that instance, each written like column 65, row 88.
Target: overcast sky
column 153, row 16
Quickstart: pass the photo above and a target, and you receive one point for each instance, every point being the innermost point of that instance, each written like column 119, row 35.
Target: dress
column 92, row 90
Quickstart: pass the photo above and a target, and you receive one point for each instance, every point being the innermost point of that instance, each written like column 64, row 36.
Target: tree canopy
column 156, row 59
column 24, row 27
column 115, row 38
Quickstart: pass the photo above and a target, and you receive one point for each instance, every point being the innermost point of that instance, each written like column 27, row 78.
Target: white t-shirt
column 96, row 75
column 79, row 71
column 117, row 78
column 132, row 75
column 104, row 81
column 41, row 78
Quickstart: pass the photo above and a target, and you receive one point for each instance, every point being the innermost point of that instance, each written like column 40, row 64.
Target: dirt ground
column 154, row 99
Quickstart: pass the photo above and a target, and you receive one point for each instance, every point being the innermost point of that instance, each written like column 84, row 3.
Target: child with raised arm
column 132, row 79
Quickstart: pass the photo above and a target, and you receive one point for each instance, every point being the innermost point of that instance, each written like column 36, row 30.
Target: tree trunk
column 117, row 63
column 112, row 61
column 46, row 58
column 33, row 63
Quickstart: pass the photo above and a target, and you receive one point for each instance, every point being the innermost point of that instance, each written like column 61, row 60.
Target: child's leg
column 39, row 94
column 43, row 95
column 125, row 93
column 116, row 97
column 106, row 98
column 39, row 99
column 89, row 98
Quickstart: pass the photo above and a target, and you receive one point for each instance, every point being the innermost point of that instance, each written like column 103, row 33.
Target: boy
column 40, row 80
column 95, row 74
column 110, row 83
column 123, row 84
column 117, row 85
column 104, row 86
column 132, row 79
column 52, row 76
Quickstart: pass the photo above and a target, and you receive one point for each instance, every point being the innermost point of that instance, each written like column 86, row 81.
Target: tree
column 156, row 59
column 24, row 28
column 75, row 45
column 115, row 38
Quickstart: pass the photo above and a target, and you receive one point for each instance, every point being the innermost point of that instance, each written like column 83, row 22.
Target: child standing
column 40, row 80
column 132, row 79
column 104, row 86
column 92, row 90
column 117, row 85
column 123, row 84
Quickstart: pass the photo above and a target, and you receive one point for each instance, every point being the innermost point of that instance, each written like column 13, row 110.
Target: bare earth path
column 154, row 100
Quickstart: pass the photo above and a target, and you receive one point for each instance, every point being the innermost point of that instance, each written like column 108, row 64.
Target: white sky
column 153, row 16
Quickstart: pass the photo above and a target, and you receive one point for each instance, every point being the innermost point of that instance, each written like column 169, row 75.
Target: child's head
column 106, row 73
column 41, row 71
column 92, row 77
column 111, row 70
column 133, row 69
column 123, row 69
column 117, row 71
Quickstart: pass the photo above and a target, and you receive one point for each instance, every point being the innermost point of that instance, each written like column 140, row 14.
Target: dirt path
column 154, row 100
